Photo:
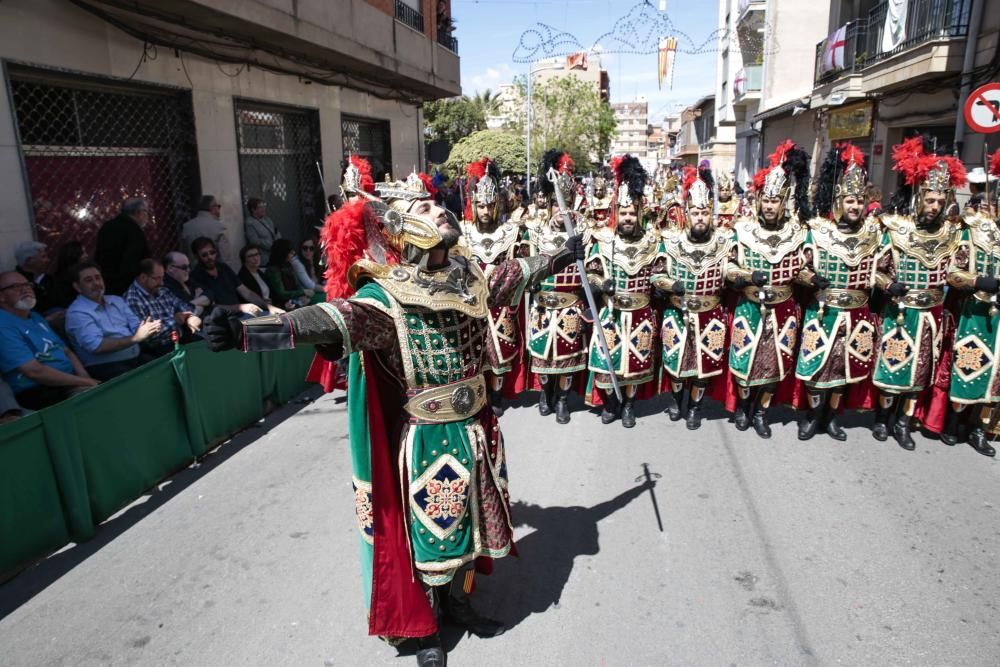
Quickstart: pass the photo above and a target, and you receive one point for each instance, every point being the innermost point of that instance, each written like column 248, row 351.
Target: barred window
column 89, row 143
column 279, row 149
column 370, row 139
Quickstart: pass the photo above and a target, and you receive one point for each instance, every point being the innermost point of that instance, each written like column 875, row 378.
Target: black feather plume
column 633, row 174
column 549, row 161
column 823, row 200
column 796, row 166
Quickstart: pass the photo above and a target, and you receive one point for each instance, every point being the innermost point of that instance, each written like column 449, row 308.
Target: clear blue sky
column 489, row 31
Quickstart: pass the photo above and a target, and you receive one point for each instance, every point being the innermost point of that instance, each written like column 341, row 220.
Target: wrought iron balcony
column 409, row 16
column 865, row 42
column 448, row 42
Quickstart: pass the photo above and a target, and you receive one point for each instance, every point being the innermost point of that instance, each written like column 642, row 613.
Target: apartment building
column 169, row 99
column 882, row 74
column 632, row 126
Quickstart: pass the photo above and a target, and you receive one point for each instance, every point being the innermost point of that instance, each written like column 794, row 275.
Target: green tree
column 505, row 148
column 452, row 119
column 567, row 113
column 488, row 102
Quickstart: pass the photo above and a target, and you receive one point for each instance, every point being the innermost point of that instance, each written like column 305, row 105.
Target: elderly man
column 33, row 263
column 207, row 223
column 149, row 300
column 260, row 230
column 177, row 270
column 103, row 329
column 35, row 362
column 121, row 245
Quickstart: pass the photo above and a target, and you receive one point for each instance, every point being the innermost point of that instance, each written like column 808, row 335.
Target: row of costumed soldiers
column 825, row 305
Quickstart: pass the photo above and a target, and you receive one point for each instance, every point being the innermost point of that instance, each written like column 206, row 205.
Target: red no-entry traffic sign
column 982, row 109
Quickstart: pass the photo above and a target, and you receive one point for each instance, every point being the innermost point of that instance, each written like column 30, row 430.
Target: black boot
column 949, row 435
column 901, row 431
column 759, row 421
column 977, row 438
column 429, row 651
column 741, row 418
column 880, row 429
column 831, row 426
column 809, row 423
column 458, row 611
column 693, row 421
column 545, row 397
column 674, row 411
column 628, row 413
column 562, row 406
column 610, row 411
column 496, row 401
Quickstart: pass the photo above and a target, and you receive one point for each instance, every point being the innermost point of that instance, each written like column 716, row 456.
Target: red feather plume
column 365, row 168
column 760, row 178
column 956, row 170
column 346, row 242
column 778, row 156
column 690, row 176
column 911, row 160
column 477, row 170
column 616, row 163
column 565, row 164
column 995, row 164
column 849, row 153
column 428, row 184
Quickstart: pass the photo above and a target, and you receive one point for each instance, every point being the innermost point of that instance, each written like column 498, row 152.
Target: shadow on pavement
column 37, row 577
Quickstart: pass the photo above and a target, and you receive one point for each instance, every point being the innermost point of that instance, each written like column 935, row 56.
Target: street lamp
column 527, row 152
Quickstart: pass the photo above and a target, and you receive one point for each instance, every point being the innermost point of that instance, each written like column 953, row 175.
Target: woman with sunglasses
column 307, row 271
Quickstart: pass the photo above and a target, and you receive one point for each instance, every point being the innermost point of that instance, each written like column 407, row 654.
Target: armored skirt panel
column 913, row 327
column 974, row 370
column 838, row 336
column 559, row 334
column 693, row 334
column 451, row 454
column 627, row 316
column 765, row 328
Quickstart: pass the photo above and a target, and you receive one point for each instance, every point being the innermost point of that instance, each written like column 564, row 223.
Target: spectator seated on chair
column 40, row 369
column 148, row 299
column 220, row 281
column 103, row 330
column 177, row 272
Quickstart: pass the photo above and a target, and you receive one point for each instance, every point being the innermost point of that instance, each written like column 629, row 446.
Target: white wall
column 794, row 28
column 30, row 28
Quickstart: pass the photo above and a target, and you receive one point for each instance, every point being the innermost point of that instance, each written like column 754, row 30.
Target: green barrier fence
column 65, row 469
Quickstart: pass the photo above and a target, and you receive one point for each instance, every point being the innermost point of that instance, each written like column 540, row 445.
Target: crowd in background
column 69, row 321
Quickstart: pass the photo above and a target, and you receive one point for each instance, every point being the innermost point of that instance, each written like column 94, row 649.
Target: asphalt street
column 772, row 553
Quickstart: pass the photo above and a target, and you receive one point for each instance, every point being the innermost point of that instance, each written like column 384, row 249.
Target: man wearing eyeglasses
column 177, row 267
column 207, row 223
column 36, row 363
column 217, row 279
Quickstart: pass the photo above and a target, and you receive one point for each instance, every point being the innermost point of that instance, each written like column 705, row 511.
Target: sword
column 602, row 342
column 649, row 478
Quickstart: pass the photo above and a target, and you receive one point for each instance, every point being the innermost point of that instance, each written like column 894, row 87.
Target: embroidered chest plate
column 439, row 347
column 984, row 239
column 491, row 247
column 930, row 249
column 850, row 248
column 630, row 257
column 772, row 245
column 461, row 286
column 697, row 258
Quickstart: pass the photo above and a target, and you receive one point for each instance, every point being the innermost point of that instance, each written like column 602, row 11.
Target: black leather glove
column 222, row 331
column 987, row 284
column 576, row 247
column 678, row 288
column 740, row 284
column 608, row 288
column 758, row 278
column 819, row 282
column 897, row 289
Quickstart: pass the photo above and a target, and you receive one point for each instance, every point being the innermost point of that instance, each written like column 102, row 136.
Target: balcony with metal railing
column 448, row 42
column 747, row 83
column 409, row 16
column 862, row 44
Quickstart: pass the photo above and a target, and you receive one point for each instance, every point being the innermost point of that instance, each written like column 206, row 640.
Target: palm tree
column 488, row 102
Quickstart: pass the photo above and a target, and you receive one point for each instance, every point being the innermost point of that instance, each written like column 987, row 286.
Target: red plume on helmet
column 760, row 178
column 428, row 184
column 346, row 241
column 850, row 154
column 778, row 156
column 995, row 164
column 565, row 164
column 690, row 176
column 474, row 171
column 915, row 163
column 365, row 168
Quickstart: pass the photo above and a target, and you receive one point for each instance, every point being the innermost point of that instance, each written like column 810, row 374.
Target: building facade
column 172, row 99
column 632, row 120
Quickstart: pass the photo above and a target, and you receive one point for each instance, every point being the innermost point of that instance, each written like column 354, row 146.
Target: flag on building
column 894, row 32
column 577, row 60
column 666, row 53
column 833, row 50
column 740, row 82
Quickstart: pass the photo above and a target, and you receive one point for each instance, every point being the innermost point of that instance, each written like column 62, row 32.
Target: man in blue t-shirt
column 35, row 362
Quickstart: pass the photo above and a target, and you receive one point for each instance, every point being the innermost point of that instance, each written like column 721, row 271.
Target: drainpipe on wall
column 975, row 19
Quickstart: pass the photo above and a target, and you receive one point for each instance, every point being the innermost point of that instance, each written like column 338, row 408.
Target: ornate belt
column 630, row 300
column 553, row 299
column 772, row 293
column 846, row 299
column 923, row 298
column 694, row 304
column 447, row 403
column 985, row 297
